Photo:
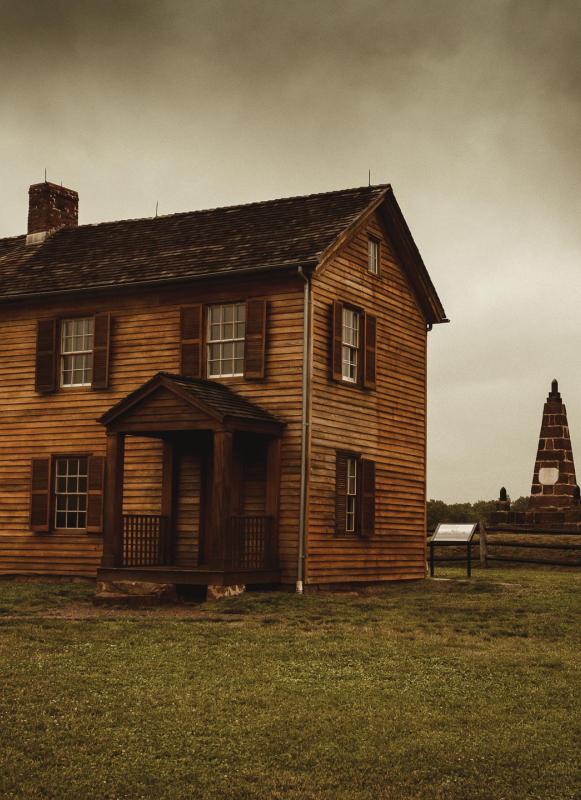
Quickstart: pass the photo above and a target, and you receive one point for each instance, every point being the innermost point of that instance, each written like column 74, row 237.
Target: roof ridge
column 377, row 186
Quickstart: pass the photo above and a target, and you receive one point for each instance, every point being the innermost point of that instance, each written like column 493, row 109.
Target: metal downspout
column 304, row 432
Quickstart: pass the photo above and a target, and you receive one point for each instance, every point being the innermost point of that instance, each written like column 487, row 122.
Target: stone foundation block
column 216, row 592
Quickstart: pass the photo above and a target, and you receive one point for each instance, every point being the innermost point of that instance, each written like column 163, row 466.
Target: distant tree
column 439, row 511
column 520, row 504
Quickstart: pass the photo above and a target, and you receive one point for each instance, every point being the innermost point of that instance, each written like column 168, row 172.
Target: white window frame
column 350, row 344
column 76, row 352
column 219, row 334
column 373, row 257
column 72, row 500
column 351, row 495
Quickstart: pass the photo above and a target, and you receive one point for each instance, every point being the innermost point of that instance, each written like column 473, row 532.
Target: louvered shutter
column 367, row 497
column 337, row 341
column 369, row 352
column 101, row 338
column 40, row 494
column 340, row 493
column 95, row 489
column 191, row 341
column 255, row 339
column 45, row 356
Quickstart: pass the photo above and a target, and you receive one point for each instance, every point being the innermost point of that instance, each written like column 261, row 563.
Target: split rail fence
column 498, row 544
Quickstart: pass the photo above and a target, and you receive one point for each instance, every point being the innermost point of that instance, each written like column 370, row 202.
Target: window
column 350, row 345
column 373, row 256
column 351, row 504
column 225, row 337
column 76, row 352
column 354, row 495
column 70, row 493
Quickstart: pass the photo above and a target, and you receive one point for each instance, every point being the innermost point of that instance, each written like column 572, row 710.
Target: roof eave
column 114, row 287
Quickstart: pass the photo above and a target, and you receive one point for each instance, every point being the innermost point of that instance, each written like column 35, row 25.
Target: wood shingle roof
column 267, row 236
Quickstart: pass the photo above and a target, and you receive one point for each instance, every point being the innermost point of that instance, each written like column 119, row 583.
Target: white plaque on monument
column 548, row 476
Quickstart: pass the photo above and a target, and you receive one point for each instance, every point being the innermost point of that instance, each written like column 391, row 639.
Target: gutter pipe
column 306, row 391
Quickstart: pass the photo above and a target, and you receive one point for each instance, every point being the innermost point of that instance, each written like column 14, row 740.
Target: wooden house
column 231, row 396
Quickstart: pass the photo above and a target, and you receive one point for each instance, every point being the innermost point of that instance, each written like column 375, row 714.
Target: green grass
column 437, row 689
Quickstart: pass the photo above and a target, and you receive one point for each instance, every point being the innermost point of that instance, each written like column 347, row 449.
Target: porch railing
column 252, row 543
column 146, row 540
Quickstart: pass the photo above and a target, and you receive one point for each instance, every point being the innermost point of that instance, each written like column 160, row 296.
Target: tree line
column 439, row 511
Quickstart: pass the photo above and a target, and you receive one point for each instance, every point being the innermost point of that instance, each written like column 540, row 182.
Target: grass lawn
column 438, row 689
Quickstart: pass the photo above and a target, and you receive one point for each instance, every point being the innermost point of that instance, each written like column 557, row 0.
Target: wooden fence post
column 483, row 544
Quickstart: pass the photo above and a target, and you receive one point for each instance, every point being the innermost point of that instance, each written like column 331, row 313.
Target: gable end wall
column 386, row 425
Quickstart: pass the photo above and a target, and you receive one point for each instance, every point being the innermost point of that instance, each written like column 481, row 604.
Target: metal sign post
column 449, row 535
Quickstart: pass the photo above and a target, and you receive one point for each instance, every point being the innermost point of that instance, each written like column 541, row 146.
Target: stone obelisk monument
column 555, row 499
column 554, row 478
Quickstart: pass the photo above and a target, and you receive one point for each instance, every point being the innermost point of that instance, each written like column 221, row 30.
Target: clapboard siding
column 145, row 338
column 386, row 425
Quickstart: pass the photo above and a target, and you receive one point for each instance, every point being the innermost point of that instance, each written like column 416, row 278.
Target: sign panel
column 452, row 532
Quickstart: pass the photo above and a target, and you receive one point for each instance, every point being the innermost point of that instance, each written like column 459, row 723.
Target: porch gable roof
column 211, row 403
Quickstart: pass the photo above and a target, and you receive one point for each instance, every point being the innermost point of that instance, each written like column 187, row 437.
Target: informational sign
column 448, row 533
column 451, row 532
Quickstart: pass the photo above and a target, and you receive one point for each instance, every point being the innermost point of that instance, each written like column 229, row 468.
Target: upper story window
column 373, row 255
column 72, row 352
column 70, row 493
column 225, row 338
column 350, row 349
column 76, row 352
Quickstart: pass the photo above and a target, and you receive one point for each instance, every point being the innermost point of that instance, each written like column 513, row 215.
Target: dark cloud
column 472, row 110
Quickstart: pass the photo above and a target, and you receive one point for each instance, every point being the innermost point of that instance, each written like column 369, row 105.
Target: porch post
column 113, row 527
column 221, row 498
column 273, row 466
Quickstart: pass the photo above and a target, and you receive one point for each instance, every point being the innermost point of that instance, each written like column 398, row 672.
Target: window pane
column 239, row 349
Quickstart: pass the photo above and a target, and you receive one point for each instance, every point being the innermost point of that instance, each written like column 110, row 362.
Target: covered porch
column 220, row 461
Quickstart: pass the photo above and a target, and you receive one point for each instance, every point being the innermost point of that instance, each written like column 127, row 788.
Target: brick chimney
column 50, row 207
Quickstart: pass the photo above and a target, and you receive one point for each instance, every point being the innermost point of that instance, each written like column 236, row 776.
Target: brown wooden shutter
column 255, row 339
column 340, row 493
column 367, row 497
column 45, row 356
column 101, row 338
column 40, row 494
column 337, row 341
column 369, row 352
column 95, row 489
column 191, row 341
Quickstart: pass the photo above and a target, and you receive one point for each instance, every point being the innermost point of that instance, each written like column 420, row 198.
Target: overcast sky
column 471, row 110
